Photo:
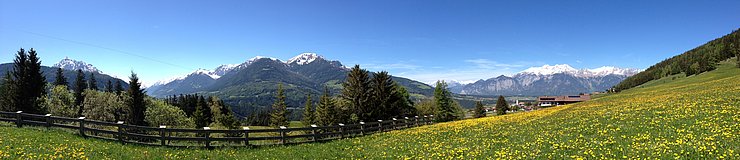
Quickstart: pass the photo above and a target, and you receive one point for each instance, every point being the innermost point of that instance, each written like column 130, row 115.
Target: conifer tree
column 136, row 103
column 480, row 111
column 80, row 86
column 6, row 87
column 404, row 106
column 119, row 87
column 202, row 115
column 357, row 91
column 325, row 111
column 60, row 79
column 29, row 83
column 443, row 99
column 383, row 97
column 501, row 106
column 92, row 83
column 279, row 116
column 109, row 87
column 308, row 112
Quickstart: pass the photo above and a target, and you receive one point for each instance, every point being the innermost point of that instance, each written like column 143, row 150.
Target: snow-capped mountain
column 304, row 58
column 550, row 80
column 74, row 65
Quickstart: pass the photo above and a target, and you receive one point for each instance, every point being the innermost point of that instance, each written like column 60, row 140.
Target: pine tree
column 279, row 116
column 308, row 112
column 92, row 84
column 6, row 87
column 80, row 86
column 202, row 115
column 404, row 106
column 479, row 110
column 109, row 87
column 325, row 111
column 136, row 102
column 443, row 100
column 501, row 106
column 119, row 87
column 29, row 83
column 357, row 91
column 60, row 79
column 383, row 97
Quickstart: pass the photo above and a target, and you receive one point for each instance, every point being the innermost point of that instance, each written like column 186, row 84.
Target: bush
column 101, row 106
column 60, row 102
column 160, row 113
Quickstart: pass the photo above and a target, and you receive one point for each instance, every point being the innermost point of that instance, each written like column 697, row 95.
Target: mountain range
column 559, row 79
column 69, row 70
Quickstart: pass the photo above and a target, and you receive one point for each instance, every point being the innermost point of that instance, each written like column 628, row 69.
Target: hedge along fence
column 179, row 137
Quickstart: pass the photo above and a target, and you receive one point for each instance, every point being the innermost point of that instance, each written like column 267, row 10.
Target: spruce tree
column 383, row 97
column 6, row 87
column 325, row 111
column 109, row 87
column 279, row 116
column 29, row 83
column 119, row 87
column 501, row 106
column 480, row 111
column 443, row 100
column 308, row 112
column 92, row 83
column 202, row 115
column 136, row 104
column 60, row 79
column 357, row 91
column 404, row 106
column 80, row 86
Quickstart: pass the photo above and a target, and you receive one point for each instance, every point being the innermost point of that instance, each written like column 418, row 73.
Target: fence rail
column 207, row 137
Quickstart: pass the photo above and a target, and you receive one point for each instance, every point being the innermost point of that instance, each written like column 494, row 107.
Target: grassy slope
column 694, row 117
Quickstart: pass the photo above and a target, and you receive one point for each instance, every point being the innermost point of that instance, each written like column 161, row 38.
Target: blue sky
column 423, row 40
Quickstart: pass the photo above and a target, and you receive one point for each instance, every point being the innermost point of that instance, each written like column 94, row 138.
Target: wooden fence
column 207, row 137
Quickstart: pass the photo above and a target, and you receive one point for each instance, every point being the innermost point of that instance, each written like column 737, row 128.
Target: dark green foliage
column 501, row 106
column 28, row 82
column 80, row 86
column 698, row 60
column 136, row 102
column 109, row 87
column 404, row 106
column 384, row 97
column 92, row 84
column 357, row 91
column 279, row 116
column 60, row 79
column 258, row 118
column 308, row 112
column 202, row 116
column 443, row 100
column 119, row 87
column 326, row 112
column 479, row 111
column 6, row 87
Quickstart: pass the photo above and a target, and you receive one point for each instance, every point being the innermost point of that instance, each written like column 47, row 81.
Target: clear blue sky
column 423, row 40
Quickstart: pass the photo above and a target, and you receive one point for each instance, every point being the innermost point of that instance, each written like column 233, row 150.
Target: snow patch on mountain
column 73, row 65
column 567, row 69
column 304, row 58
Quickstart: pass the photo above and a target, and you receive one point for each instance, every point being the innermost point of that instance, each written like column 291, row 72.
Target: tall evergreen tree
column 443, row 99
column 404, row 106
column 357, row 91
column 480, row 111
column 308, row 112
column 80, row 86
column 202, row 115
column 6, row 87
column 325, row 111
column 60, row 79
column 501, row 106
column 92, row 83
column 119, row 87
column 29, row 83
column 136, row 104
column 279, row 116
column 109, row 87
column 383, row 97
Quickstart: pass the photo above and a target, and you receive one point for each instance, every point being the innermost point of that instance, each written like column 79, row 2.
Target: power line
column 107, row 48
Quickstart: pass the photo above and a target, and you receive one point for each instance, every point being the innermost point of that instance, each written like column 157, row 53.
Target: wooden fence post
column 362, row 128
column 425, row 120
column 313, row 131
column 18, row 119
column 380, row 125
column 48, row 120
column 431, row 117
column 416, row 119
column 282, row 134
column 120, row 131
column 341, row 130
column 82, row 126
column 162, row 139
column 246, row 136
column 208, row 136
column 394, row 124
column 406, row 120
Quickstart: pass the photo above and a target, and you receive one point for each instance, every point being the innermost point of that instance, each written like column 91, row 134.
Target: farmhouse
column 561, row 100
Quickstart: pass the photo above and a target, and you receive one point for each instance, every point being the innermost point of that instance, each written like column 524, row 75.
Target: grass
column 694, row 117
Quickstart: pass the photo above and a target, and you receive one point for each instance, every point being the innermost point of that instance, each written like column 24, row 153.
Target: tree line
column 698, row 60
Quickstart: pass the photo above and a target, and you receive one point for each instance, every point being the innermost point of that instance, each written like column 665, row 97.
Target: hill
column 686, row 118
column 50, row 74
